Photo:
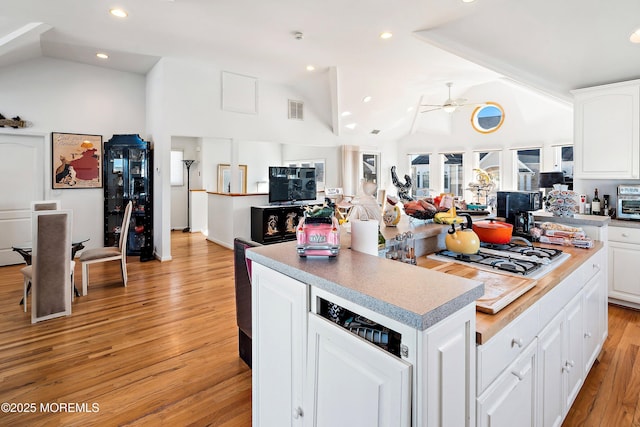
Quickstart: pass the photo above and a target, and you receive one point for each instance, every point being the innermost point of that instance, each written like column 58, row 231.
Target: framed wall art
column 76, row 160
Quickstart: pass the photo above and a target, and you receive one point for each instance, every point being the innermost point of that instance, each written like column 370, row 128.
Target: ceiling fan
column 449, row 106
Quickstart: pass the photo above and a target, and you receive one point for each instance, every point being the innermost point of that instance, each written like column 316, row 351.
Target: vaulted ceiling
column 549, row 45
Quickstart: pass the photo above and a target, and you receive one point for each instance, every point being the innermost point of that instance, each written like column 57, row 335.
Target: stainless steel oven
column 628, row 202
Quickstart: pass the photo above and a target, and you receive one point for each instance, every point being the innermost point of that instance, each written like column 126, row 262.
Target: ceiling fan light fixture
column 450, row 108
column 635, row 36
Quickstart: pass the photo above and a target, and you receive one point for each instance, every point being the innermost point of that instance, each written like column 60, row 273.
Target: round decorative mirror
column 487, row 118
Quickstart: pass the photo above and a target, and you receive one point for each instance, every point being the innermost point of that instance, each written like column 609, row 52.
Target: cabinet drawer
column 624, row 234
column 494, row 356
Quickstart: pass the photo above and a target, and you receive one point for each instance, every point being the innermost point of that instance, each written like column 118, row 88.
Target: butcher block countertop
column 487, row 325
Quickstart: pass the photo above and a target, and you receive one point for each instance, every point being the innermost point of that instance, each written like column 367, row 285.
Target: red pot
column 492, row 231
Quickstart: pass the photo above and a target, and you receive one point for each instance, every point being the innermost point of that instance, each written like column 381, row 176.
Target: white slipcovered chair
column 112, row 253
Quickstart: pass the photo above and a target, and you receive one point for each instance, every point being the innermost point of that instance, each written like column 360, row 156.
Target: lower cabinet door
column 280, row 307
column 624, row 271
column 593, row 313
column 552, row 377
column 351, row 382
column 510, row 400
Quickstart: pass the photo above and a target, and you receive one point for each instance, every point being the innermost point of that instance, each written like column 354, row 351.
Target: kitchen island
column 307, row 369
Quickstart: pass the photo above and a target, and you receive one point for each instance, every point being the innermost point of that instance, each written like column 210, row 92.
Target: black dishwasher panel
column 380, row 335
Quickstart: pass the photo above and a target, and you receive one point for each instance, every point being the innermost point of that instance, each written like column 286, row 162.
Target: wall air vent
column 375, row 131
column 296, row 110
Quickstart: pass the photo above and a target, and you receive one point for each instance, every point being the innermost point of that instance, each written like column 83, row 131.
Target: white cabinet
column 446, row 388
column 607, row 131
column 511, row 399
column 560, row 362
column 595, row 319
column 352, row 383
column 624, row 267
column 533, row 369
column 309, row 371
column 279, row 327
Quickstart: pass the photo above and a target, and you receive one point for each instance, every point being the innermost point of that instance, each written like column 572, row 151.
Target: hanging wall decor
column 76, row 160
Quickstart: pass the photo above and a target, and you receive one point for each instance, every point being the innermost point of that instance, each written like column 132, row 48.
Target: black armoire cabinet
column 128, row 172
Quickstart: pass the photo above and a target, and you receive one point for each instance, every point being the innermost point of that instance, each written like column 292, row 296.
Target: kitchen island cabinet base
column 305, row 366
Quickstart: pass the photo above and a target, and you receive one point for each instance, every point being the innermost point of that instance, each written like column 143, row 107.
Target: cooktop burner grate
column 513, row 259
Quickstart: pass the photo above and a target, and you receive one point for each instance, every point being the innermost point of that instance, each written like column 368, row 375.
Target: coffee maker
column 516, row 207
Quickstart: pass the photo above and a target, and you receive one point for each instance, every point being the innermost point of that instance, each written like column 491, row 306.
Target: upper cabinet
column 607, row 131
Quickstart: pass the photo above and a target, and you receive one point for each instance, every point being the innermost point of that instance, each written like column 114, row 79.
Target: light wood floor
column 163, row 351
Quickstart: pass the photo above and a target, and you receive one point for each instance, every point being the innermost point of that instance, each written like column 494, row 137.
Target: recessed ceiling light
column 119, row 13
column 351, row 126
column 386, row 35
column 310, row 67
column 366, row 99
column 102, row 55
column 346, row 113
column 635, row 36
column 468, row 1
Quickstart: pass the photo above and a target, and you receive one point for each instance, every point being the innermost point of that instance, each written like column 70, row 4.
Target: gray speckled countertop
column 417, row 297
column 595, row 220
column 624, row 223
column 578, row 219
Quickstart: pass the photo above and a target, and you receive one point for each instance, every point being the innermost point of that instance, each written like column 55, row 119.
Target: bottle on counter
column 605, row 205
column 595, row 203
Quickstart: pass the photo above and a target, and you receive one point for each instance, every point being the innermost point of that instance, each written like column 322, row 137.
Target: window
column 177, row 168
column 453, row 174
column 564, row 159
column 370, row 166
column 489, row 162
column 419, row 174
column 527, row 169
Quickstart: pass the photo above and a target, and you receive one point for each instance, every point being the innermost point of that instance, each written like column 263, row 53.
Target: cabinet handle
column 297, row 413
column 518, row 375
column 587, row 334
column 568, row 365
column 517, row 342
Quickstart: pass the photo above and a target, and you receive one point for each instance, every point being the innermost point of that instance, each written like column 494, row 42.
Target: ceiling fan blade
column 433, row 109
column 431, row 105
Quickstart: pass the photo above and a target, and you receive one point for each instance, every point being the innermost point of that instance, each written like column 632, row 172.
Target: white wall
column 184, row 98
column 258, row 156
column 63, row 96
column 531, row 120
